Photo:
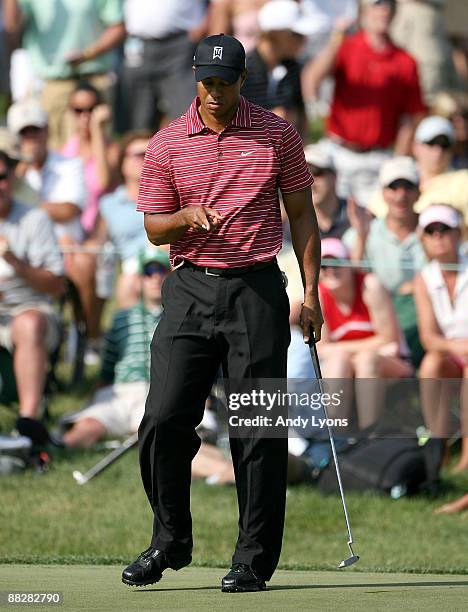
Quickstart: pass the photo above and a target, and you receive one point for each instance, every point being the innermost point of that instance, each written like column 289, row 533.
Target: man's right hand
column 311, row 318
column 201, row 218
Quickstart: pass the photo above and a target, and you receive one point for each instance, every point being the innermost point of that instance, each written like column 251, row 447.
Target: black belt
column 230, row 271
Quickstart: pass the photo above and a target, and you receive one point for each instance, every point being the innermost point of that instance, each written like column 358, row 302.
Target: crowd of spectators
column 91, row 81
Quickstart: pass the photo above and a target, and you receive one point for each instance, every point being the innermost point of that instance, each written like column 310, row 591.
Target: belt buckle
column 210, row 273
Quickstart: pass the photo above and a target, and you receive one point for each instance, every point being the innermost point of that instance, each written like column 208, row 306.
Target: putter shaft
column 318, row 372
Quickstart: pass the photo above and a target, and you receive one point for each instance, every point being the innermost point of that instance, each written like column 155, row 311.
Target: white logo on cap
column 218, row 53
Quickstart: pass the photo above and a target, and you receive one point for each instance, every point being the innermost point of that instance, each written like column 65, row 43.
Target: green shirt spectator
column 126, row 354
column 394, row 261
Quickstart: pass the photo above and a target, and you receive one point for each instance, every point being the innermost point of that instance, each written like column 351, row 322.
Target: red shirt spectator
column 373, row 90
column 354, row 325
column 237, row 172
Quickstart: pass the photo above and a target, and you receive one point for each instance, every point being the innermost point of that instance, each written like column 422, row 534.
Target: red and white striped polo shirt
column 237, row 172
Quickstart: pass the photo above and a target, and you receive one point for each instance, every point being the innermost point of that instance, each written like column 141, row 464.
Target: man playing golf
column 209, row 187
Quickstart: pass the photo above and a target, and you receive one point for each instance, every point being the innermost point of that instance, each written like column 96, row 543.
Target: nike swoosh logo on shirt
column 245, row 153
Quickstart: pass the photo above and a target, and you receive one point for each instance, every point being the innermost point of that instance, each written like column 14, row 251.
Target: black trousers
column 242, row 324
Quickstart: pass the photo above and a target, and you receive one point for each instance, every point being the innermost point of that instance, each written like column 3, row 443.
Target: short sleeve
column 66, row 182
column 111, row 11
column 295, row 175
column 157, row 192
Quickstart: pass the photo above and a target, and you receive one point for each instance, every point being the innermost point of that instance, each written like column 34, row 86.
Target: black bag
column 393, row 465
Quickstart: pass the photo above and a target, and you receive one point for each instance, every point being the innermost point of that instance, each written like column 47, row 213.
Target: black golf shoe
column 149, row 566
column 242, row 579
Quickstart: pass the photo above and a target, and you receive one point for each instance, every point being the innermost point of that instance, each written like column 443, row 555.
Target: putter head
column 349, row 561
column 78, row 476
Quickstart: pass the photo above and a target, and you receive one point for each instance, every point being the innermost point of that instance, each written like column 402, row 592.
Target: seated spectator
column 67, row 41
column 391, row 245
column 119, row 221
column 90, row 143
column 441, row 300
column 56, row 184
column 433, row 151
column 57, row 181
column 331, row 210
column 361, row 337
column 377, row 99
column 237, row 18
column 117, row 407
column 274, row 75
column 31, row 272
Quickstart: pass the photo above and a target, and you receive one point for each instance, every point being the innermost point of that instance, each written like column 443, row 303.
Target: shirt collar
column 195, row 125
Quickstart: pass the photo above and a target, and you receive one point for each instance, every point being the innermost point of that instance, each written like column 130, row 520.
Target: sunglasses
column 440, row 141
column 4, row 176
column 81, row 111
column 437, row 228
column 30, row 130
column 154, row 268
column 402, row 184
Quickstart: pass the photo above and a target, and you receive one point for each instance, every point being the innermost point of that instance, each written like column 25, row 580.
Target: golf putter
column 108, row 460
column 315, row 362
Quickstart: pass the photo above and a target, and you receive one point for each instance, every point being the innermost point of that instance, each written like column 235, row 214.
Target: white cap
column 333, row 247
column 26, row 113
column 317, row 155
column 434, row 126
column 284, row 15
column 440, row 213
column 402, row 167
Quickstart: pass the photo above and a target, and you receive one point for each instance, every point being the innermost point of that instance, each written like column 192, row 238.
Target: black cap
column 219, row 56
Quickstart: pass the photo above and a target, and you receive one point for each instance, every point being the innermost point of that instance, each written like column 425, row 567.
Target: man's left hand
column 311, row 319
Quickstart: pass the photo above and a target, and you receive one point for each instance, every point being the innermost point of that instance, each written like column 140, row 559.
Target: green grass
column 49, row 519
column 99, row 588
